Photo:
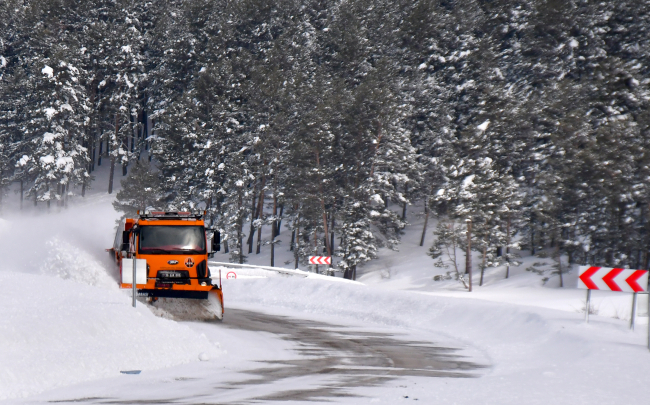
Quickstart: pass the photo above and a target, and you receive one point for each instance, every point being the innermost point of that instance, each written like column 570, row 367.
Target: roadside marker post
column 320, row 260
column 633, row 311
column 133, row 282
column 615, row 279
column 588, row 306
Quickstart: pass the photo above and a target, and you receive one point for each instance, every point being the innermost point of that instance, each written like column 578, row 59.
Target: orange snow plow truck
column 176, row 247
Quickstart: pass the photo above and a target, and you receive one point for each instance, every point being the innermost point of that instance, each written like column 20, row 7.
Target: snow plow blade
column 209, row 307
column 218, row 296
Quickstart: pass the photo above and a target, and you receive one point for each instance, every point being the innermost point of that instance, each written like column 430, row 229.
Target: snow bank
column 58, row 332
column 443, row 315
column 69, row 262
column 65, row 320
column 535, row 355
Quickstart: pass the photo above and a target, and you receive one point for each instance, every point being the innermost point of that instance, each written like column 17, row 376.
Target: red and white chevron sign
column 320, row 259
column 612, row 279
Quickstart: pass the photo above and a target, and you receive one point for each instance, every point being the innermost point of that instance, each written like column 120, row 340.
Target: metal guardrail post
column 588, row 306
column 632, row 318
column 133, row 282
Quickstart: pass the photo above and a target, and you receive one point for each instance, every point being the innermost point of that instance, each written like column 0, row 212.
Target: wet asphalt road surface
column 359, row 359
column 338, row 358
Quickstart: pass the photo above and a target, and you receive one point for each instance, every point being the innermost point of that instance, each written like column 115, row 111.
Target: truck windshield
column 172, row 239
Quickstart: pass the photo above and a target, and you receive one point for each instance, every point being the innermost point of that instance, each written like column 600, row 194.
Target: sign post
column 614, row 279
column 633, row 311
column 133, row 282
column 320, row 260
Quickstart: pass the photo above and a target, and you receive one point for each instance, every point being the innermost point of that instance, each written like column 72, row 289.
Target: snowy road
column 321, row 362
column 353, row 358
column 397, row 336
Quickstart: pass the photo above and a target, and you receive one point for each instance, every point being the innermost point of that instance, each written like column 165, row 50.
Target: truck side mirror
column 216, row 241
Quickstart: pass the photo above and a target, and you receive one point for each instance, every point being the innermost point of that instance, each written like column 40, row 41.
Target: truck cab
column 176, row 247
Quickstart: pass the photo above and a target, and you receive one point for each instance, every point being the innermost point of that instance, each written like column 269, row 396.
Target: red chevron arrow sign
column 320, row 259
column 612, row 279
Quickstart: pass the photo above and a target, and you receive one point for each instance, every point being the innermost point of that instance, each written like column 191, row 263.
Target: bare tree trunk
column 532, row 234
column 296, row 247
column 252, row 229
column 274, row 226
column 316, row 246
column 468, row 253
column 22, row 192
column 153, row 125
column 112, row 171
column 280, row 220
column 327, row 242
column 332, row 233
column 101, row 145
column 91, row 133
column 125, row 144
column 406, row 187
column 240, row 232
column 293, row 233
column 426, row 220
column 260, row 215
column 508, row 247
column 93, row 148
column 559, row 264
column 483, row 266
column 322, row 204
column 131, row 146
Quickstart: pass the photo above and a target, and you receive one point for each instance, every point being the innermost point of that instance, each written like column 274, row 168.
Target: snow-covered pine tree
column 11, row 20
column 55, row 158
column 58, row 159
column 141, row 190
column 357, row 240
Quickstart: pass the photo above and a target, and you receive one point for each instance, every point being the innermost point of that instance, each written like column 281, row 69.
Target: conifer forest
column 323, row 120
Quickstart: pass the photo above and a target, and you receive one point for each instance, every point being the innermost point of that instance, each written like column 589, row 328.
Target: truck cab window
column 172, row 239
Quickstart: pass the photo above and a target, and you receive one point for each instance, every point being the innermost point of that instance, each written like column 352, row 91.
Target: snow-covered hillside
column 65, row 320
column 67, row 323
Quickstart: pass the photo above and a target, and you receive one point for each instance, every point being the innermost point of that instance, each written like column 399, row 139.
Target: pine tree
column 141, row 190
column 56, row 126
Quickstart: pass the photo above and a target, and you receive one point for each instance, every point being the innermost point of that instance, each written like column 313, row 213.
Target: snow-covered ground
column 67, row 330
column 64, row 319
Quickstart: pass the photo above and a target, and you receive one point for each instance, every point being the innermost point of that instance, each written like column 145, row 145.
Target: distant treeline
column 328, row 117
